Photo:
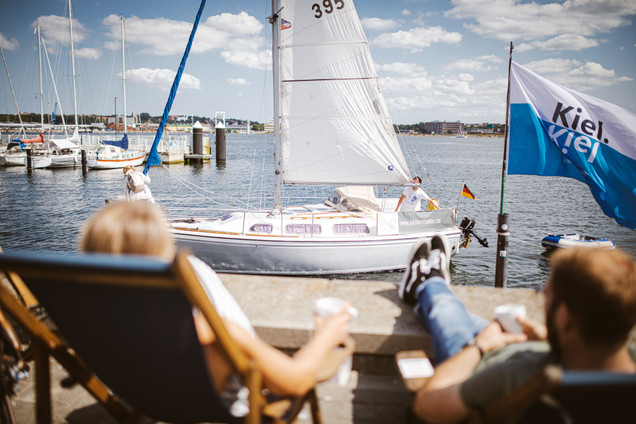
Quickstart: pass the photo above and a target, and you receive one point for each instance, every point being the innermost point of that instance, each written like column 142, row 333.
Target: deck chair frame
column 181, row 276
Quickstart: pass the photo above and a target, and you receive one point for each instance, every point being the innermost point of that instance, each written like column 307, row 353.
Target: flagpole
column 503, row 231
column 460, row 196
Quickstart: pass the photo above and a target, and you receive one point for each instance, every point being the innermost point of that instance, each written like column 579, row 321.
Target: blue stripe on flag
column 539, row 147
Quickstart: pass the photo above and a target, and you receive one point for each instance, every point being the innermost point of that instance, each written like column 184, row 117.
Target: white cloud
column 379, row 24
column 576, row 75
column 251, row 59
column 87, row 53
column 478, row 64
column 8, row 44
column 164, row 37
column 162, row 78
column 530, row 21
column 410, row 89
column 56, row 29
column 406, row 12
column 417, row 38
column 562, row 42
column 410, row 69
column 238, row 81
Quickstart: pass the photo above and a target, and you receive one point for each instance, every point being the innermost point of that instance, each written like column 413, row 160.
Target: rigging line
column 192, row 186
column 249, row 193
column 261, row 197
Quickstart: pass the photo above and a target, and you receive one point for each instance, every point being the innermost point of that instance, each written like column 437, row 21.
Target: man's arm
column 440, row 401
column 399, row 203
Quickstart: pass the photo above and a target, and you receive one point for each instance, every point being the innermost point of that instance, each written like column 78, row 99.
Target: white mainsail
column 335, row 127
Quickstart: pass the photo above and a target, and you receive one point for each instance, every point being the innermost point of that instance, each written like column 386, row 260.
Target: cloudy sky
column 437, row 60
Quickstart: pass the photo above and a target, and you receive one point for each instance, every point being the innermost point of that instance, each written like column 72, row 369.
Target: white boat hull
column 65, row 161
column 114, row 163
column 304, row 257
column 232, row 245
column 554, row 241
column 14, row 159
column 39, row 162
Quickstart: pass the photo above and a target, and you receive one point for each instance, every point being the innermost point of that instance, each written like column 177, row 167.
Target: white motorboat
column 554, row 241
column 113, row 157
column 332, row 128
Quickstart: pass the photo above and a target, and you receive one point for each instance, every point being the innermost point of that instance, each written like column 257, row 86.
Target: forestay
column 335, row 127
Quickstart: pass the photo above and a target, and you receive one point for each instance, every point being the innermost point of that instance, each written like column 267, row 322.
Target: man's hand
column 493, row 337
column 533, row 329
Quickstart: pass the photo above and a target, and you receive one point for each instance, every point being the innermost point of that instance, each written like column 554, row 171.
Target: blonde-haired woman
column 140, row 228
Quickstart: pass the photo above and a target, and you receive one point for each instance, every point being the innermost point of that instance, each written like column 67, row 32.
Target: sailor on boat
column 413, row 197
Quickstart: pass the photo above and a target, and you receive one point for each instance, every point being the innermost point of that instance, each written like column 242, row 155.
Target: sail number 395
column 327, row 6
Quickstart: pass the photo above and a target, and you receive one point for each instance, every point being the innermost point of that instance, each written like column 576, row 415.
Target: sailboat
column 331, row 128
column 115, row 154
column 58, row 152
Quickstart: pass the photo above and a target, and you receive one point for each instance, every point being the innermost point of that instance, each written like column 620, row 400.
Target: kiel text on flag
column 555, row 131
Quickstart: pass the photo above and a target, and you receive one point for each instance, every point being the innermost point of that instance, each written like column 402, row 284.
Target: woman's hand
column 333, row 330
column 533, row 329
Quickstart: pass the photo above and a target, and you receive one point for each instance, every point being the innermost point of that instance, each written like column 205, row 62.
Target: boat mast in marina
column 70, row 24
column 12, row 92
column 123, row 74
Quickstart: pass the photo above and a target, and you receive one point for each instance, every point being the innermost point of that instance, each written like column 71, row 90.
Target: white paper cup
column 507, row 315
column 325, row 307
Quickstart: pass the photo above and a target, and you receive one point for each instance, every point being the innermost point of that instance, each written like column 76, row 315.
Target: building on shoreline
column 443, row 127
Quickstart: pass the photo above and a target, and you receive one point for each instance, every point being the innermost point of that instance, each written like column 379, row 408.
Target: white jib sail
column 335, row 127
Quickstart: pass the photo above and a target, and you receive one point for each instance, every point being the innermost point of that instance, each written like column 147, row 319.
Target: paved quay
column 280, row 309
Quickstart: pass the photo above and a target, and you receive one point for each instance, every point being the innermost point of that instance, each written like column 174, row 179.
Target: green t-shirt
column 502, row 370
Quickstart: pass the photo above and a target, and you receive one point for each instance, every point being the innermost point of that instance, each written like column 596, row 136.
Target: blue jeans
column 446, row 318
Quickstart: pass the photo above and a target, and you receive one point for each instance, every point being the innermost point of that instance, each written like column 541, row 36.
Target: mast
column 123, row 73
column 503, row 230
column 278, row 180
column 70, row 24
column 12, row 92
column 40, row 66
column 57, row 97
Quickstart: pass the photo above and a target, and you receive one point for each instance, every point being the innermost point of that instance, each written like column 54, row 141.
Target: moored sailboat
column 331, row 128
column 115, row 154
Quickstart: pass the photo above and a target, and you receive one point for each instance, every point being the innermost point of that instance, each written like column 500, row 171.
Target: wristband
column 473, row 342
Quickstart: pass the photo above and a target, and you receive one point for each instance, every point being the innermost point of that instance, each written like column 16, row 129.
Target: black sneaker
column 438, row 261
column 413, row 275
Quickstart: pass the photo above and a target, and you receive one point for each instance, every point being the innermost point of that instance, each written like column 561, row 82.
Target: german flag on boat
column 467, row 193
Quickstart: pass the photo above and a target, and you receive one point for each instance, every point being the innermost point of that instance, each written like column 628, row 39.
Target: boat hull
column 115, row 163
column 304, row 256
column 556, row 241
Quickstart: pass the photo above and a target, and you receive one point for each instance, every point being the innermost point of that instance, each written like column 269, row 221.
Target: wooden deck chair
column 130, row 320
column 558, row 396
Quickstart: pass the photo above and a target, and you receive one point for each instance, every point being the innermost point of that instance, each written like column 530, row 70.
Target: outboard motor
column 467, row 226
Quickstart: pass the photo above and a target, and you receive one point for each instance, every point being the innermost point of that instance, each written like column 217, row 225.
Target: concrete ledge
column 281, row 308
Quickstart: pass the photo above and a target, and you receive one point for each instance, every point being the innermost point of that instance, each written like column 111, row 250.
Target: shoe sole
column 410, row 274
column 440, row 243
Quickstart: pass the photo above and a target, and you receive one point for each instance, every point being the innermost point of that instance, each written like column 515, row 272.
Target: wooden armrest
column 333, row 360
column 415, row 368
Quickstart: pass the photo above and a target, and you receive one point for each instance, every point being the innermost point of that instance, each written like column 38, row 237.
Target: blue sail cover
column 555, row 131
column 153, row 157
column 123, row 143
